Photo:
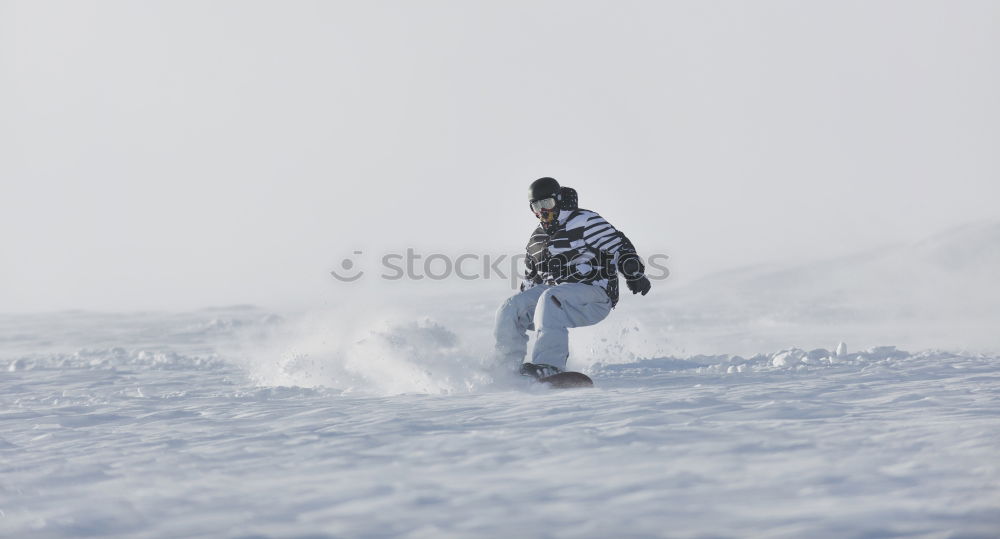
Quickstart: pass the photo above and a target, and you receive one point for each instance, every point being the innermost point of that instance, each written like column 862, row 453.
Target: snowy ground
column 233, row 422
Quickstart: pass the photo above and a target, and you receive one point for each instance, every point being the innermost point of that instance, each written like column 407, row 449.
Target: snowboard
column 567, row 380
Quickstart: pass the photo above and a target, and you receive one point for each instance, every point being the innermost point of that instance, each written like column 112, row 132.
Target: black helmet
column 543, row 188
column 567, row 198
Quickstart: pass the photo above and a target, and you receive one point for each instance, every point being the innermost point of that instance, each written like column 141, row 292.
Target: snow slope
column 939, row 292
column 372, row 419
column 402, row 432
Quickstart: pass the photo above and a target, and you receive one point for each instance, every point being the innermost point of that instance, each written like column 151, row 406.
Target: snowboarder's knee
column 510, row 307
column 549, row 298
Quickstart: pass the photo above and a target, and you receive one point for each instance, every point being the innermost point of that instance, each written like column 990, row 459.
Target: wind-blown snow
column 189, row 425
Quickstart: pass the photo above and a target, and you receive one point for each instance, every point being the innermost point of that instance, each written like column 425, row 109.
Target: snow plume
column 371, row 354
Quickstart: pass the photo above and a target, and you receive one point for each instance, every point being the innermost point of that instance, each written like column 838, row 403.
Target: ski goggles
column 543, row 204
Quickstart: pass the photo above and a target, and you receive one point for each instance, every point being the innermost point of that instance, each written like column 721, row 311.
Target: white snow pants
column 550, row 310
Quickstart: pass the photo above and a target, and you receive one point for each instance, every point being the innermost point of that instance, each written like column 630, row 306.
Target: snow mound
column 939, row 292
column 791, row 360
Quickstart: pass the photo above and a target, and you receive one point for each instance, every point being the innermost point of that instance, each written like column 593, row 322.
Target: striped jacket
column 581, row 248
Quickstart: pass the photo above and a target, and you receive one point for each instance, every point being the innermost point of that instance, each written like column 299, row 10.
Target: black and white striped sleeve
column 601, row 235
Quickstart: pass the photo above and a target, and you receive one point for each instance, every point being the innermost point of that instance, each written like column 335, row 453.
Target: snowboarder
column 570, row 280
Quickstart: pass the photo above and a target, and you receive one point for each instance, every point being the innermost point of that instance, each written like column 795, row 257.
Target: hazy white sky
column 180, row 154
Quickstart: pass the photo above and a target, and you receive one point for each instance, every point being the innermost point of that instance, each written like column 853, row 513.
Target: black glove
column 639, row 285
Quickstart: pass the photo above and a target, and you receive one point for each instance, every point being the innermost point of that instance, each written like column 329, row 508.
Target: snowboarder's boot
column 539, row 370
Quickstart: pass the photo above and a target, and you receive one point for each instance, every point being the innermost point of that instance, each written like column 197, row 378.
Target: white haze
column 163, row 155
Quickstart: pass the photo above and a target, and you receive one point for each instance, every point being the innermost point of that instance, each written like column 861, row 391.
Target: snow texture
column 233, row 422
column 372, row 420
